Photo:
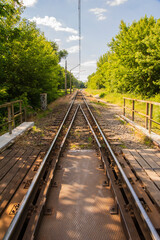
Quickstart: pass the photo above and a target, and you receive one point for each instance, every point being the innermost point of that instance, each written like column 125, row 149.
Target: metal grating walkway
column 78, row 208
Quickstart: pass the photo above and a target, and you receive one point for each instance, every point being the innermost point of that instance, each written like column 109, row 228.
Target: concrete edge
column 10, row 139
column 153, row 136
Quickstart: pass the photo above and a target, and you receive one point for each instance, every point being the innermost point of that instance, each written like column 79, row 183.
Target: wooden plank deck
column 148, row 159
column 145, row 163
column 9, row 167
column 143, row 196
column 140, row 159
column 3, row 154
column 5, row 157
column 14, row 165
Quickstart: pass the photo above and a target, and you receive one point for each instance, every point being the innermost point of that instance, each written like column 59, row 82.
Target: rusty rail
column 12, row 115
column 149, row 111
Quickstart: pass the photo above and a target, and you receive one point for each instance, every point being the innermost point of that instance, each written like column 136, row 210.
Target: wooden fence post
column 9, row 119
column 25, row 114
column 124, row 106
column 147, row 113
column 133, row 106
column 150, row 117
column 20, row 110
column 13, row 120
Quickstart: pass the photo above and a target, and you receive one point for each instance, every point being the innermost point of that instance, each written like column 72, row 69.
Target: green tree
column 33, row 64
column 29, row 63
column 9, row 16
column 132, row 64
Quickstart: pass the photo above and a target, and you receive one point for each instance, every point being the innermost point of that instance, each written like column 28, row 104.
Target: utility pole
column 70, row 82
column 71, row 78
column 65, row 77
column 79, row 21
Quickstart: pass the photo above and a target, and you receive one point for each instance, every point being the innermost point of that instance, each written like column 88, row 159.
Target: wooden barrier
column 149, row 111
column 12, row 115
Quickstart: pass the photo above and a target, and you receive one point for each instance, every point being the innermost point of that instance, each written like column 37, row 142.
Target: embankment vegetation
column 132, row 64
column 131, row 67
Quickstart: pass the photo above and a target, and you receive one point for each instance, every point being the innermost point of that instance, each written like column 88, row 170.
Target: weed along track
column 82, row 190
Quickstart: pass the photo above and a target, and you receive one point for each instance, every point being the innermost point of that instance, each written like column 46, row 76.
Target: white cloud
column 83, row 77
column 29, row 3
column 73, row 38
column 73, row 49
column 53, row 23
column 58, row 41
column 101, row 17
column 99, row 13
column 116, row 2
column 87, row 68
column 89, row 63
column 97, row 10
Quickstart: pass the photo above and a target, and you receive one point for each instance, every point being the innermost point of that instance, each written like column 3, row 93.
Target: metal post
column 13, row 120
column 133, row 106
column 150, row 117
column 70, row 83
column 65, row 77
column 9, row 120
column 20, row 110
column 124, row 106
column 71, row 78
column 147, row 113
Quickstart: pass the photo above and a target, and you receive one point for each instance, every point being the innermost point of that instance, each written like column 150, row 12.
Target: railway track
column 80, row 137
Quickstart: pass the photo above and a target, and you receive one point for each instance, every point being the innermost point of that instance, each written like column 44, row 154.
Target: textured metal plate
column 81, row 203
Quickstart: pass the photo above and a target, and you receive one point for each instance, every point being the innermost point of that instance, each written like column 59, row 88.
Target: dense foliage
column 29, row 63
column 133, row 62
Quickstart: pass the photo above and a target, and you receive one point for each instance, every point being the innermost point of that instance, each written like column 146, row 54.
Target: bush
column 102, row 95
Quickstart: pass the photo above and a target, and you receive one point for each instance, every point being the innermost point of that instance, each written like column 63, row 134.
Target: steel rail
column 152, row 229
column 69, row 128
column 98, row 143
column 11, row 232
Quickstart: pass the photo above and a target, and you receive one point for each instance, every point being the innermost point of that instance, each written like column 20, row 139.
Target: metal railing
column 149, row 111
column 12, row 115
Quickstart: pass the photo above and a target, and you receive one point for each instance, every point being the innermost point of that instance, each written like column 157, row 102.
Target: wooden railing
column 149, row 111
column 12, row 115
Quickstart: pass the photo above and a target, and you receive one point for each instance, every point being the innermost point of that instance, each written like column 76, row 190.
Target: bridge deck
column 146, row 164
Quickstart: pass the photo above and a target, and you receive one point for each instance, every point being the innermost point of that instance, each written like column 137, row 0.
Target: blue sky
column 58, row 19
